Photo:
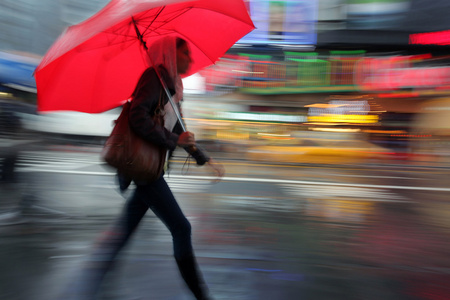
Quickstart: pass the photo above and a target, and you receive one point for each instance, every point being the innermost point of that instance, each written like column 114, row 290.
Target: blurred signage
column 376, row 14
column 257, row 117
column 357, row 119
column 431, row 38
column 398, row 73
column 282, row 22
column 304, row 72
column 340, row 111
column 339, row 107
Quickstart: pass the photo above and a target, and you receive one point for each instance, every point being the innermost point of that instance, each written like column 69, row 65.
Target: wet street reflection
column 264, row 232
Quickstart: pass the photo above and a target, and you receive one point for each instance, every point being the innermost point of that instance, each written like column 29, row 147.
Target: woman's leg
column 88, row 281
column 111, row 241
column 161, row 200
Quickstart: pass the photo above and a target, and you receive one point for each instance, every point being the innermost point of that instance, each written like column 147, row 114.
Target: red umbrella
column 94, row 66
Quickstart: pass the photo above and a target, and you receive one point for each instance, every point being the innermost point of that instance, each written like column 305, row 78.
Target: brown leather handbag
column 131, row 155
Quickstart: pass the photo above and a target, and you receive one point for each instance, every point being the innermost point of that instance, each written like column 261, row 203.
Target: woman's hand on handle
column 186, row 139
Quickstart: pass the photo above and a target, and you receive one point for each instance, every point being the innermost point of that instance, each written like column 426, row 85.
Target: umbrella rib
column 242, row 21
column 128, row 37
column 199, row 48
column 154, row 19
column 176, row 14
column 183, row 11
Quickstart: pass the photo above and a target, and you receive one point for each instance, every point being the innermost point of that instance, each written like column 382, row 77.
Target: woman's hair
column 180, row 42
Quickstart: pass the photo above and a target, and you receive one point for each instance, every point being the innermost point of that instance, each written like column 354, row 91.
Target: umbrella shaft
column 176, row 110
column 174, row 106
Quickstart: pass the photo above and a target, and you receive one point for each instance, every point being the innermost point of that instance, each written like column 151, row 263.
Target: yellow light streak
column 344, row 119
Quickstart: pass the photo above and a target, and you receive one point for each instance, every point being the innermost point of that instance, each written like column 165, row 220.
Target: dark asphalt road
column 264, row 233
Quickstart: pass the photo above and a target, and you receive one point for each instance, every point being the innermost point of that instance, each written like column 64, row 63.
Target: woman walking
column 170, row 57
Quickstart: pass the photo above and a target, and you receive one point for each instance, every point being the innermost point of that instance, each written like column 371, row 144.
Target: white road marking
column 256, row 180
column 64, row 163
column 374, row 176
column 342, row 192
column 31, row 161
column 176, row 185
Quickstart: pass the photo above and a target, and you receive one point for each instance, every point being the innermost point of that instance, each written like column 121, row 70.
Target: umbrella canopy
column 94, row 65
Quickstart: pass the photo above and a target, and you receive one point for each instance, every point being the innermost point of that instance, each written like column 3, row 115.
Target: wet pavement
column 265, row 232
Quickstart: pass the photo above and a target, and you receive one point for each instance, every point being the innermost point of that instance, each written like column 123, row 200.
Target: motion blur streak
column 334, row 129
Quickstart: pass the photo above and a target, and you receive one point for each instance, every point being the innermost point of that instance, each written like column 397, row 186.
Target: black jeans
column 159, row 198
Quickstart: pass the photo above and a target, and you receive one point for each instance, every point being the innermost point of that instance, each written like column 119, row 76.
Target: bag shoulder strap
column 125, row 111
column 160, row 107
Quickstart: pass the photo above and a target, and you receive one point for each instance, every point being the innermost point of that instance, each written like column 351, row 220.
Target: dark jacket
column 144, row 102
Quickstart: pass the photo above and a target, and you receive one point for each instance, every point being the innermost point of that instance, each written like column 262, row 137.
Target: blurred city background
column 332, row 119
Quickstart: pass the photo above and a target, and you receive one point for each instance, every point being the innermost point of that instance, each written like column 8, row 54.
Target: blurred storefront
column 433, row 122
column 392, row 87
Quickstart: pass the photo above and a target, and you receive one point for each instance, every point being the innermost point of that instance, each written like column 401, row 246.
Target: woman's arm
column 199, row 154
column 145, row 101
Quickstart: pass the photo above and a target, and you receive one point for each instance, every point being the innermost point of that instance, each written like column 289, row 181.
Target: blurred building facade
column 368, row 53
column 32, row 26
column 309, row 65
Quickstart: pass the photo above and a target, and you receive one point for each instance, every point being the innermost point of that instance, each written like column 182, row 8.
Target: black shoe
column 193, row 278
